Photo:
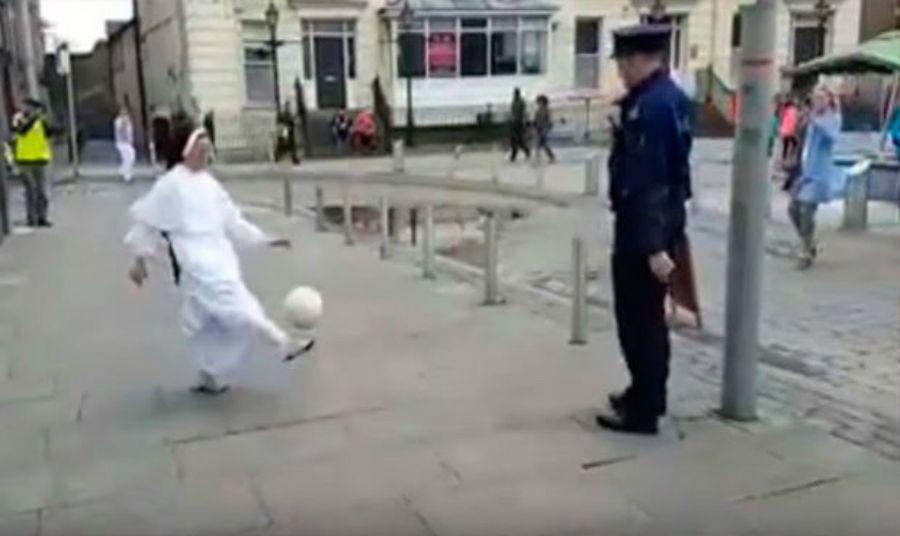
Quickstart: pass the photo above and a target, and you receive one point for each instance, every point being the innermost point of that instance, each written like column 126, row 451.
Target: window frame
column 535, row 24
column 250, row 43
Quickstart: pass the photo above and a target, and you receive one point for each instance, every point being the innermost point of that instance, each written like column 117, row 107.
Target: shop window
column 259, row 73
column 504, row 46
column 411, row 61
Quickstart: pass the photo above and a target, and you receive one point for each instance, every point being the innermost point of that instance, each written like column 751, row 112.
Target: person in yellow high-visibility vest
column 32, row 155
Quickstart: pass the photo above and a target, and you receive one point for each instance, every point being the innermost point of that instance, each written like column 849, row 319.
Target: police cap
column 641, row 38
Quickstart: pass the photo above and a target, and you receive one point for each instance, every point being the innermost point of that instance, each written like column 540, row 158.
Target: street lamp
column 823, row 11
column 272, row 23
column 406, row 23
column 657, row 11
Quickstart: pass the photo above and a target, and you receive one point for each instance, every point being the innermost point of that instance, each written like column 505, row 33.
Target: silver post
column 579, row 293
column 428, row 268
column 385, row 249
column 491, row 279
column 495, row 163
column 320, row 209
column 539, row 170
column 348, row 218
column 288, row 187
column 747, row 229
column 592, row 175
column 399, row 158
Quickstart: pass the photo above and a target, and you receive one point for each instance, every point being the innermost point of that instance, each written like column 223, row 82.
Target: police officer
column 32, row 155
column 649, row 185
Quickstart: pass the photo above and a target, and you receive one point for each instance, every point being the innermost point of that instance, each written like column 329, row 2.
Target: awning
column 878, row 55
column 429, row 7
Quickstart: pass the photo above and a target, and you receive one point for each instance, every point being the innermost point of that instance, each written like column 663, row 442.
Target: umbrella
column 880, row 54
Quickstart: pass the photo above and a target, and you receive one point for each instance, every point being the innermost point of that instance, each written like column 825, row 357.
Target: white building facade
column 465, row 57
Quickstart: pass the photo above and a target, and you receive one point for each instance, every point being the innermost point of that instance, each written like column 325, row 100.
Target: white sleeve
column 143, row 240
column 242, row 232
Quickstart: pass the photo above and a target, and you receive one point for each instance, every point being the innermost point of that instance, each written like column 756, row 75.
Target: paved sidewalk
column 421, row 413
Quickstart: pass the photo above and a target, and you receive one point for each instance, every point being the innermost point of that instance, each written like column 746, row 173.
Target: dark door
column 330, row 89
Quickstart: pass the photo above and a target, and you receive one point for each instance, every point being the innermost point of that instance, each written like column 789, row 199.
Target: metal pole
column 273, row 42
column 288, row 186
column 348, row 219
column 592, row 176
column 413, row 224
column 399, row 159
column 428, row 270
column 747, row 228
column 73, row 127
column 23, row 20
column 142, row 84
column 383, row 210
column 491, row 279
column 409, row 99
column 320, row 210
column 579, row 293
column 495, row 163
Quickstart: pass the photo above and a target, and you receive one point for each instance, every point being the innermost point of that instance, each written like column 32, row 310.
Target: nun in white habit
column 189, row 213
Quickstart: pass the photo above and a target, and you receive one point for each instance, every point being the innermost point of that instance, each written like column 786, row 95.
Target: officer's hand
column 662, row 266
column 138, row 272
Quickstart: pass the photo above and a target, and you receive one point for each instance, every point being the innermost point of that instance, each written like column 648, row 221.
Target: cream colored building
column 465, row 56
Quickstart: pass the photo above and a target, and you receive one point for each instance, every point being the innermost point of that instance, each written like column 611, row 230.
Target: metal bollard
column 428, row 268
column 495, row 162
column 592, row 175
column 320, row 210
column 288, row 186
column 348, row 219
column 385, row 248
column 491, row 279
column 413, row 225
column 579, row 293
column 399, row 157
column 856, row 210
column 539, row 170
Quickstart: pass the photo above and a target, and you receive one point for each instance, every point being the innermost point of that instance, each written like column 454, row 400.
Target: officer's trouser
column 34, row 180
column 643, row 333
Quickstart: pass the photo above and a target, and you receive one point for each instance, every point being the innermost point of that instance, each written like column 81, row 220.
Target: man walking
column 518, row 117
column 124, row 132
column 32, row 155
column 649, row 185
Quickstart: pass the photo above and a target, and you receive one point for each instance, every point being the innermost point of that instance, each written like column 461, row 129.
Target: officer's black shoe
column 45, row 223
column 628, row 424
column 619, row 401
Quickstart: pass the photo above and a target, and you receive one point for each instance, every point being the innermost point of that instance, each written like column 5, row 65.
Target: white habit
column 219, row 316
column 124, row 133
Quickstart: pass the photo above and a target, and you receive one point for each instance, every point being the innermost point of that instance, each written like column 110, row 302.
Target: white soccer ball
column 303, row 307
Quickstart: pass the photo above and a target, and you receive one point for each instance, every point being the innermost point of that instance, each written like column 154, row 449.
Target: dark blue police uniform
column 649, row 184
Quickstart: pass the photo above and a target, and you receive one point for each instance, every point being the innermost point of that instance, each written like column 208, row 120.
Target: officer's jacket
column 31, row 144
column 649, row 166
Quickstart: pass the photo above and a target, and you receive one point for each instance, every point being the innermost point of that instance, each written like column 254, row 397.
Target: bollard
column 348, row 219
column 856, row 210
column 399, row 157
column 392, row 225
column 428, row 268
column 454, row 163
column 320, row 210
column 287, row 184
column 592, row 176
column 491, row 280
column 579, row 293
column 413, row 224
column 539, row 170
column 385, row 249
column 495, row 161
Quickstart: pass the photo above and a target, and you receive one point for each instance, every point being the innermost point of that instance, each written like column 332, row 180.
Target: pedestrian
column 363, row 134
column 650, row 183
column 893, row 130
column 124, row 134
column 820, row 178
column 286, row 143
column 32, row 154
column 518, row 117
column 787, row 129
column 543, row 124
column 340, row 129
column 219, row 316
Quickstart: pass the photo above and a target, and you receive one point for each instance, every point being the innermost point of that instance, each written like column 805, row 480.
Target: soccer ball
column 303, row 307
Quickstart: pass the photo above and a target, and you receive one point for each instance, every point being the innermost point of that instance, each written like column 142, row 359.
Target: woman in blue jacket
column 820, row 177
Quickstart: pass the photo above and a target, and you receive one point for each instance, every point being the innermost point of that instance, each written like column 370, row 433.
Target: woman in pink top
column 788, row 130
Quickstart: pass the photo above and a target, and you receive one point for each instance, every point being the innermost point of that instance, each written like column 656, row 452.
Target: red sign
column 442, row 54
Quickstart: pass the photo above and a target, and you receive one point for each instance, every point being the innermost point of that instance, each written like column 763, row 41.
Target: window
column 445, row 47
column 676, row 46
column 259, row 73
column 533, row 31
column 736, row 31
column 504, row 46
column 411, row 61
